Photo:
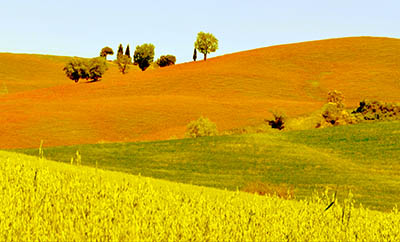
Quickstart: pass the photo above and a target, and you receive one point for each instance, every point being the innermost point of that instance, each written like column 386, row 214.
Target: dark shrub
column 166, row 60
column 279, row 120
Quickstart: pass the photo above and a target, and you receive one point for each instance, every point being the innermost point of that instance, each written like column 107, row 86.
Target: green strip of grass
column 363, row 158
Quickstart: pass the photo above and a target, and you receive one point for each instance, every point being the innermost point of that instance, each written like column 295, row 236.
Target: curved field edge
column 49, row 201
column 362, row 158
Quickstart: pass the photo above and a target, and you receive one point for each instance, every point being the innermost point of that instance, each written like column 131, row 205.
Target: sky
column 84, row 27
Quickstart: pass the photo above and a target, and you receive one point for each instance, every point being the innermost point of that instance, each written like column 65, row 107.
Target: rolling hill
column 363, row 158
column 232, row 90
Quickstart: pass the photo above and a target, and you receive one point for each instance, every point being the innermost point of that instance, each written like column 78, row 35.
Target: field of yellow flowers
column 42, row 200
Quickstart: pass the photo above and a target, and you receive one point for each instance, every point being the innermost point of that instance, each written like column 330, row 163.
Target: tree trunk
column 205, row 57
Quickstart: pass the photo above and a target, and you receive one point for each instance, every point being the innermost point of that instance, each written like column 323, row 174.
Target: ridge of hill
column 232, row 90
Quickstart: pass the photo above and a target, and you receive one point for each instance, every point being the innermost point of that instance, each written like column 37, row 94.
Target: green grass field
column 363, row 158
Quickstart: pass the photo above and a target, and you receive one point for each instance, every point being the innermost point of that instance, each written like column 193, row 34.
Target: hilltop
column 232, row 90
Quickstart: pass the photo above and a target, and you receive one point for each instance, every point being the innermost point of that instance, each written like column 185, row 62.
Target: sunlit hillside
column 23, row 72
column 48, row 201
column 232, row 90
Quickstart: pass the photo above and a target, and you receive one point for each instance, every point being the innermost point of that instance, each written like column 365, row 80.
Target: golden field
column 49, row 201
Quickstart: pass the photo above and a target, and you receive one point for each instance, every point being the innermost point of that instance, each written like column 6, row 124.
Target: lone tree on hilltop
column 106, row 51
column 194, row 54
column 166, row 60
column 123, row 63
column 120, row 51
column 144, row 55
column 79, row 68
column 206, row 43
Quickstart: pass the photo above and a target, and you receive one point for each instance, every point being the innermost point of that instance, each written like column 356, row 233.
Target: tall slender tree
column 195, row 54
column 120, row 52
column 128, row 51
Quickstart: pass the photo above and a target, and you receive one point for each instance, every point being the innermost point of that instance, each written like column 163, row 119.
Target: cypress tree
column 128, row 51
column 195, row 54
column 120, row 52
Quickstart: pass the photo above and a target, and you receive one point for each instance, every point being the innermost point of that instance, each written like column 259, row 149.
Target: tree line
column 143, row 57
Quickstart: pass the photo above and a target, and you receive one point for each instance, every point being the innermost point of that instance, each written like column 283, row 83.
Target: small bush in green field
column 201, row 127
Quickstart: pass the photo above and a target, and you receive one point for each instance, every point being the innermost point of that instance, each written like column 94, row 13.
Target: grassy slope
column 233, row 90
column 47, row 201
column 362, row 158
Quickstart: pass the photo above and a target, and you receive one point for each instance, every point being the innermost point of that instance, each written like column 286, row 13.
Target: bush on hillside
column 336, row 97
column 334, row 113
column 166, row 60
column 79, row 68
column 375, row 110
column 201, row 127
column 279, row 120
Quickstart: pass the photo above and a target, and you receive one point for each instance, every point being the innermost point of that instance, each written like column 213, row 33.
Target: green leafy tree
column 166, row 60
column 123, row 64
column 194, row 54
column 206, row 43
column 76, row 69
column 79, row 68
column 106, row 51
column 144, row 55
column 120, row 51
column 201, row 127
column 96, row 68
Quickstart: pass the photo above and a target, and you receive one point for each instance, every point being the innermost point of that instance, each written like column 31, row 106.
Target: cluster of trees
column 79, row 68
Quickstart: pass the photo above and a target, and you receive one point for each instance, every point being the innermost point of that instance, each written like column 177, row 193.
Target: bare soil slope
column 232, row 90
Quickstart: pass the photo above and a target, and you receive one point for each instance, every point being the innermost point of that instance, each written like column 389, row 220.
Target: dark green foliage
column 206, row 43
column 76, row 69
column 128, row 52
column 106, row 51
column 166, row 60
column 279, row 120
column 375, row 110
column 144, row 55
column 79, row 68
column 120, row 52
column 123, row 63
column 201, row 127
column 194, row 54
column 96, row 68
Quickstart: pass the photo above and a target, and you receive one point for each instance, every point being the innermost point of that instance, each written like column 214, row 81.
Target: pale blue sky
column 82, row 28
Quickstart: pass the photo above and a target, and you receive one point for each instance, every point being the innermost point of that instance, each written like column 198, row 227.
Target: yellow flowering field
column 42, row 200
